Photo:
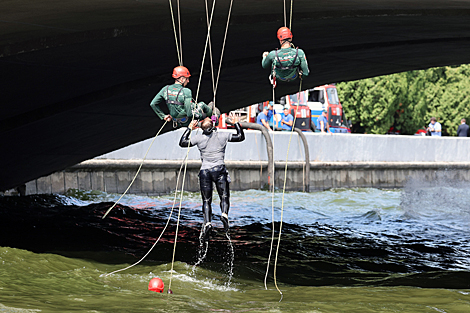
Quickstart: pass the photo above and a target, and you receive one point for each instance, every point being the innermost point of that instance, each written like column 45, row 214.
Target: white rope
column 223, row 48
column 161, row 234
column 205, row 49
column 272, row 203
column 179, row 55
column 285, row 15
column 210, row 51
column 179, row 210
column 282, row 202
column 179, row 31
column 291, row 5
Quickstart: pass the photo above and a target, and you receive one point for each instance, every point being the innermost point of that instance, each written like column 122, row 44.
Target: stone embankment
column 336, row 161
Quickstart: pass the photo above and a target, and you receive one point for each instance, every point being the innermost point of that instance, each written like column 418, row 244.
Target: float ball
column 156, row 284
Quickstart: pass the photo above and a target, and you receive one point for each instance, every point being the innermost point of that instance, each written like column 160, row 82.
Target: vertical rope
column 210, row 51
column 179, row 210
column 272, row 204
column 291, row 5
column 177, row 225
column 205, row 49
column 285, row 15
column 179, row 29
column 180, row 59
column 223, row 47
column 282, row 202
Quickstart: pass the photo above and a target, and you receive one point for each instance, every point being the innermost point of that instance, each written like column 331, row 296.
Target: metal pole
column 269, row 147
column 307, row 159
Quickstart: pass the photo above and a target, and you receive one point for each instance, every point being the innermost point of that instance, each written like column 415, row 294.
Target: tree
column 408, row 100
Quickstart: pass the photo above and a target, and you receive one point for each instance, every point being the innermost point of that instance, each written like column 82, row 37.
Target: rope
column 205, row 49
column 179, row 210
column 223, row 48
column 285, row 16
column 161, row 234
column 272, row 205
column 291, row 4
column 179, row 55
column 210, row 50
column 179, row 30
column 197, row 94
column 158, row 133
column 282, row 202
column 187, row 153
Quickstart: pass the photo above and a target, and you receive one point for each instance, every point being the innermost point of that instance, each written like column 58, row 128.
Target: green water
column 359, row 240
column 32, row 282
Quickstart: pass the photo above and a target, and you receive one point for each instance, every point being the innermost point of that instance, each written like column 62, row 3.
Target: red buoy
column 156, row 284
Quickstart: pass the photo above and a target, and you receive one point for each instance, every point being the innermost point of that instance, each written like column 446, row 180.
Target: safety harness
column 176, row 121
column 168, row 101
column 286, row 67
column 272, row 77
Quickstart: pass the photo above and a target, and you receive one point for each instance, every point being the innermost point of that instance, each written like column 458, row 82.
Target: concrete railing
column 334, row 161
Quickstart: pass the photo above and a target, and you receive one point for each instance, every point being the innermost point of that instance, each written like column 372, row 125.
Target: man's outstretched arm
column 240, row 135
column 185, row 141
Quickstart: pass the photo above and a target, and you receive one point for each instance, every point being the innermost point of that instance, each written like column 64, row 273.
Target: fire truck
column 306, row 106
column 326, row 98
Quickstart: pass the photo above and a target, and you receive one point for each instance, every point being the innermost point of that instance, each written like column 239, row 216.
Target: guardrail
column 269, row 147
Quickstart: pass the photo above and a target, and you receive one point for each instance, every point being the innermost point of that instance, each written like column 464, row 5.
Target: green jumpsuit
column 286, row 64
column 178, row 99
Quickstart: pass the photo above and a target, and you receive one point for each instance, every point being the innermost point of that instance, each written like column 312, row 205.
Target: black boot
column 206, row 231
column 224, row 219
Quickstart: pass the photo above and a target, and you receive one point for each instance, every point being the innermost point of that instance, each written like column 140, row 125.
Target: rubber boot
column 206, row 231
column 224, row 219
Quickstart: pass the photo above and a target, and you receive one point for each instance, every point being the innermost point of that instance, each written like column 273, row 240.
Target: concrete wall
column 322, row 148
column 159, row 177
column 335, row 160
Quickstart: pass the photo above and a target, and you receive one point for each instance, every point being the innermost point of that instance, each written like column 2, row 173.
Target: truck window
column 294, row 99
column 316, row 96
column 313, row 96
column 332, row 96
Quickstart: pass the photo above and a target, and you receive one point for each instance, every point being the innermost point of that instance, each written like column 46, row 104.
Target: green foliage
column 408, row 100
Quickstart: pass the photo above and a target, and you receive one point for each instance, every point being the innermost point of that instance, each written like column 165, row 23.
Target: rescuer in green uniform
column 288, row 62
column 179, row 101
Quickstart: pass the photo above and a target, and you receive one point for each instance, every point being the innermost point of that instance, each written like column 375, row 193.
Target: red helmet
column 180, row 71
column 284, row 33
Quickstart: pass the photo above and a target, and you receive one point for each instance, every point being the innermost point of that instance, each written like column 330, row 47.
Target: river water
column 341, row 250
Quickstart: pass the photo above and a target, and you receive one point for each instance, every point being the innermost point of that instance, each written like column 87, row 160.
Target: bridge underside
column 77, row 76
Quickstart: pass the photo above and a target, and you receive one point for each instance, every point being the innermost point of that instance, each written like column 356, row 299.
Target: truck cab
column 326, row 98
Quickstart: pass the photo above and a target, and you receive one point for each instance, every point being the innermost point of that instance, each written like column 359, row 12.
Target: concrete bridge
column 77, row 76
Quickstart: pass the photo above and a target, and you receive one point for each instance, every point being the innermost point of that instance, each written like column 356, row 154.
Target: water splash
column 231, row 258
column 201, row 252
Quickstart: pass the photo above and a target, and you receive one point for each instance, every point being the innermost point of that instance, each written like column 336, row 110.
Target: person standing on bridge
column 211, row 145
column 263, row 119
column 287, row 120
column 322, row 123
column 288, row 63
column 178, row 100
column 434, row 127
column 462, row 130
